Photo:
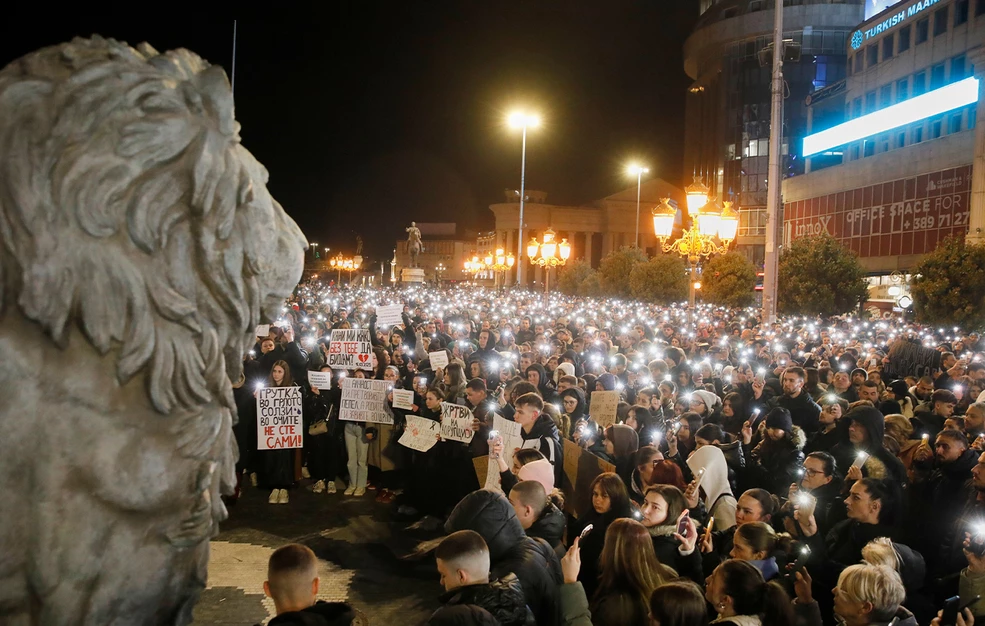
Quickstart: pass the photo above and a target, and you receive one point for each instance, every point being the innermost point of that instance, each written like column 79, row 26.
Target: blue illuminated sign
column 859, row 37
column 948, row 98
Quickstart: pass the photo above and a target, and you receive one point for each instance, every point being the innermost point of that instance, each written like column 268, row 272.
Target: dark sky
column 370, row 114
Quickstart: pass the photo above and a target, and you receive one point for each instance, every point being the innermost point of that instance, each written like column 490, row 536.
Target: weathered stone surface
column 139, row 248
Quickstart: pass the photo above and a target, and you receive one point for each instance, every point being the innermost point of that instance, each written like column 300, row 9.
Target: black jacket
column 463, row 615
column 668, row 553
column 549, row 527
column 545, row 438
column 882, row 463
column 318, row 614
column 511, row 551
column 503, row 599
column 803, row 410
column 937, row 502
column 773, row 465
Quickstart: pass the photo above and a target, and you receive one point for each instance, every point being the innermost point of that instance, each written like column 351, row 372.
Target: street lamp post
column 522, row 120
column 549, row 254
column 340, row 263
column 712, row 230
column 499, row 263
column 638, row 170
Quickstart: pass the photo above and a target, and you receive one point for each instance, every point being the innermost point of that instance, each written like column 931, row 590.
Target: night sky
column 371, row 114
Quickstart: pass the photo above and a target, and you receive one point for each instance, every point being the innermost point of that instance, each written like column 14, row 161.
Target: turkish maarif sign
column 364, row 400
column 420, row 433
column 350, row 349
column 389, row 315
column 279, row 423
column 456, row 423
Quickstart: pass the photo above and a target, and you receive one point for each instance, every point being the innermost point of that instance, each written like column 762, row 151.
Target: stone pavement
column 360, row 551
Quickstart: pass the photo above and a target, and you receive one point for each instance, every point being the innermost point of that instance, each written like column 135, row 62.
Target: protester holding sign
column 324, row 445
column 276, row 464
column 539, row 431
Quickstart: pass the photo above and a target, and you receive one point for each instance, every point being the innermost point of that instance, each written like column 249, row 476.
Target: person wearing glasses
column 822, row 483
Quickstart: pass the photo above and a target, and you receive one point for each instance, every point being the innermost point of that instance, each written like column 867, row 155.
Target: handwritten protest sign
column 456, row 422
column 389, row 315
column 364, row 400
column 603, row 408
column 483, row 466
column 320, row 380
column 263, row 330
column 438, row 359
column 580, row 469
column 509, row 432
column 403, row 399
column 279, row 423
column 350, row 349
column 420, row 433
column 908, row 357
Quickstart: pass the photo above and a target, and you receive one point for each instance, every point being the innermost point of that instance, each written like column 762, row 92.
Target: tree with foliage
column 729, row 280
column 577, row 278
column 615, row 268
column 948, row 285
column 662, row 279
column 819, row 276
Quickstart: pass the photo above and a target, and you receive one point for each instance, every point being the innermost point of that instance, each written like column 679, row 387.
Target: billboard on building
column 874, row 7
column 896, row 218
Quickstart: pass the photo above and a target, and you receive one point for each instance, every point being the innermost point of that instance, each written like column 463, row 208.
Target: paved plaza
column 363, row 558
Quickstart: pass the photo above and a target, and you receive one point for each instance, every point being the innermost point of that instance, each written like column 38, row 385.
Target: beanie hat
column 540, row 471
column 780, row 418
column 563, row 369
column 608, row 382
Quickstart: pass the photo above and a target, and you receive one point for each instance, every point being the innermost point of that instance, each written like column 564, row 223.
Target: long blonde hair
column 628, row 562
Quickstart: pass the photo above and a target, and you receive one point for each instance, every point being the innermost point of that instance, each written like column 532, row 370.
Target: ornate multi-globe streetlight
column 548, row 254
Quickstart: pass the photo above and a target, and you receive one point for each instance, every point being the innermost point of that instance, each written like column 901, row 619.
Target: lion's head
column 129, row 207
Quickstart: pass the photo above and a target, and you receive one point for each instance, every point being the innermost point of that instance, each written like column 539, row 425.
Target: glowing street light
column 549, row 254
column 638, row 171
column 522, row 120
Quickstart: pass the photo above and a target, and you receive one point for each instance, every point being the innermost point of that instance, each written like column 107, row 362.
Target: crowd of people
column 800, row 472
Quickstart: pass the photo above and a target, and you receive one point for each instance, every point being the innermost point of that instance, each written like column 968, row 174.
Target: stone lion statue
column 139, row 248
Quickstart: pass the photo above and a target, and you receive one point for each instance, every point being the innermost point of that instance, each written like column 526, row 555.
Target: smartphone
column 860, row 459
column 682, row 524
column 977, row 542
column 953, row 608
column 800, row 563
column 585, row 531
column 676, row 428
column 493, row 434
column 807, row 503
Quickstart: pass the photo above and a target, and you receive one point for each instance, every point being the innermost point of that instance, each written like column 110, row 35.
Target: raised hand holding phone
column 571, row 563
column 687, row 532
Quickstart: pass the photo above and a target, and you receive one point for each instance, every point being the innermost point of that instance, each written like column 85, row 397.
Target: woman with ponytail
column 741, row 597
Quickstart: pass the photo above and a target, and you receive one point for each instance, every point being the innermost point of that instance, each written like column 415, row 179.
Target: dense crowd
column 774, row 474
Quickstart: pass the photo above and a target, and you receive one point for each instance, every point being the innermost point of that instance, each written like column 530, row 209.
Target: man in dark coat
column 537, row 514
column 292, row 583
column 803, row 410
column 463, row 562
column 511, row 551
column 866, row 428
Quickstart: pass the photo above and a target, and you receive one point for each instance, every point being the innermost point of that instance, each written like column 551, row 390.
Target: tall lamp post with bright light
column 499, row 263
column 522, row 120
column 712, row 230
column 549, row 254
column 638, row 171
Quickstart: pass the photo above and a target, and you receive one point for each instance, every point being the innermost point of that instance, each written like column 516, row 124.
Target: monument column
column 588, row 247
column 976, row 222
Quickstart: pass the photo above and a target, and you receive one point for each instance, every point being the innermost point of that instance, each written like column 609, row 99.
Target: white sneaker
column 282, row 498
column 274, row 496
column 304, row 472
column 330, row 487
column 253, row 479
column 351, row 489
column 359, row 492
column 319, row 486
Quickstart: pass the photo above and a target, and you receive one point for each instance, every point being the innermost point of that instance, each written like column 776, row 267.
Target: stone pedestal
column 412, row 275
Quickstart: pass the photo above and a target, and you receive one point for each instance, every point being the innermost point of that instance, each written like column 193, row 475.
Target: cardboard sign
column 420, row 433
column 279, row 423
column 263, row 330
column 350, row 349
column 483, row 465
column 364, row 400
column 403, row 399
column 389, row 315
column 456, row 423
column 603, row 408
column 320, row 380
column 580, row 470
column 908, row 357
column 438, row 359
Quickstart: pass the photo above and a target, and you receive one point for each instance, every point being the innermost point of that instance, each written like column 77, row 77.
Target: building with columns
column 593, row 230
column 895, row 153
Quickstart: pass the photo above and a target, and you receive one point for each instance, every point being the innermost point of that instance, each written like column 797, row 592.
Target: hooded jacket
column 881, row 463
column 543, row 386
column 581, row 410
column 318, row 614
column 544, row 437
column 503, row 599
column 773, row 465
column 511, row 551
column 718, row 499
column 550, row 527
